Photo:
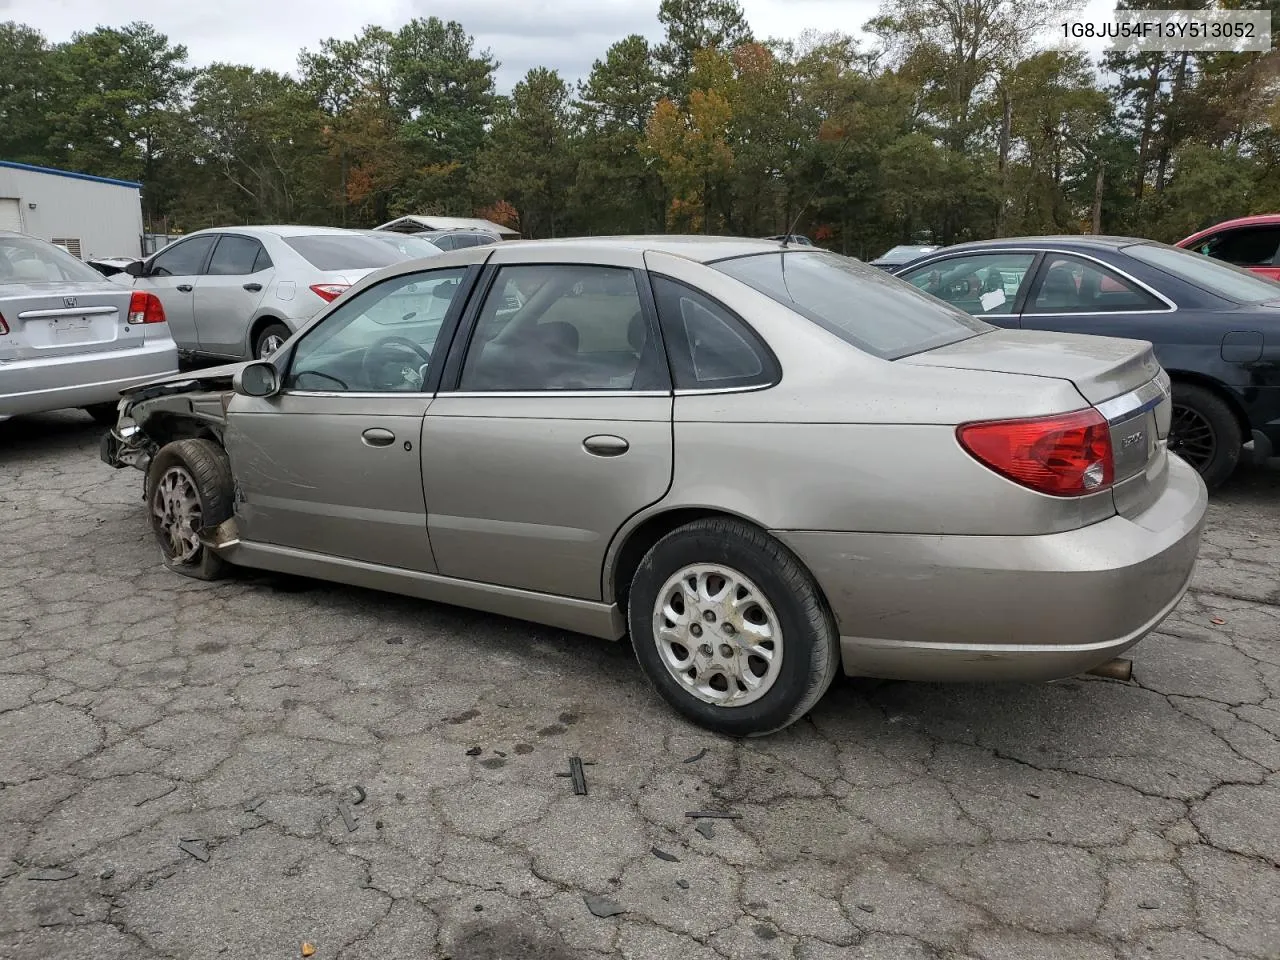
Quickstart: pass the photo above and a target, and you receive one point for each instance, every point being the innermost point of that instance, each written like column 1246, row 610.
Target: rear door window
column 237, row 256
column 1072, row 285
column 865, row 307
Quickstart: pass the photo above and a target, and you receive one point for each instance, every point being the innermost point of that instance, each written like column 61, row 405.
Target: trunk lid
column 65, row 319
column 1121, row 379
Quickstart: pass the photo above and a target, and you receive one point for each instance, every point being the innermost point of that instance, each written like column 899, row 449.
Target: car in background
column 111, row 266
column 898, row 256
column 762, row 463
column 236, row 293
column 1249, row 242
column 69, row 337
column 799, row 239
column 460, row 239
column 1215, row 328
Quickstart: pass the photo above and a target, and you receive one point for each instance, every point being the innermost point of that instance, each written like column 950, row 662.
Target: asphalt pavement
column 229, row 771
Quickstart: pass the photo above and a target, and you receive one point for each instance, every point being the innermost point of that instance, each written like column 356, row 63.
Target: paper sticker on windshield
column 992, row 300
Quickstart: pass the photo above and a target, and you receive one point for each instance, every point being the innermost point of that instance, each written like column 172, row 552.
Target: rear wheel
column 1205, row 433
column 731, row 629
column 270, row 339
column 104, row 413
column 189, row 488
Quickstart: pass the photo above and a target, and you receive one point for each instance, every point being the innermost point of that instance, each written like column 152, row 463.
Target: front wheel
column 731, row 629
column 1205, row 433
column 189, row 489
column 270, row 340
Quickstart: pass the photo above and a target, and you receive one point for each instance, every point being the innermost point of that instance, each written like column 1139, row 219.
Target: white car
column 238, row 293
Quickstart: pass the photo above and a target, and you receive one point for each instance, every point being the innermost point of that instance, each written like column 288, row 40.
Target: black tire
column 206, row 464
column 1205, row 433
column 810, row 647
column 104, row 413
column 270, row 330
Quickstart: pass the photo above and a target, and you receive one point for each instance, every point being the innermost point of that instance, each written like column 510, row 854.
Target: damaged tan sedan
column 763, row 463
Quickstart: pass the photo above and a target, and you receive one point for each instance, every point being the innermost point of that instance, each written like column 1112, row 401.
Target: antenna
column 786, row 237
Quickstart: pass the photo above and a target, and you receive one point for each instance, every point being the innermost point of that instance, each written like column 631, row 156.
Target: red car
column 1250, row 242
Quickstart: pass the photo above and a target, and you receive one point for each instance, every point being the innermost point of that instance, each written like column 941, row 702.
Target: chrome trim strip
column 530, row 394
column 359, row 395
column 66, row 312
column 699, row 391
column 1147, row 397
column 1172, row 307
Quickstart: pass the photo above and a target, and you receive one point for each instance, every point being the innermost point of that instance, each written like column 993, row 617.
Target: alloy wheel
column 175, row 504
column 269, row 345
column 717, row 635
column 1192, row 437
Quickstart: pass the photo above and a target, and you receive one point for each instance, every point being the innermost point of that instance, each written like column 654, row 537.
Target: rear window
column 34, row 261
column 1228, row 282
column 331, row 251
column 410, row 248
column 863, row 306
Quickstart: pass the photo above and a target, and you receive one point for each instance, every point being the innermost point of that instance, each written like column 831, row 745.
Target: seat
column 1058, row 292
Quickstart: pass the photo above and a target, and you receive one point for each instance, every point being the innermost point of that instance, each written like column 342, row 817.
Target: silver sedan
column 71, row 338
column 764, row 464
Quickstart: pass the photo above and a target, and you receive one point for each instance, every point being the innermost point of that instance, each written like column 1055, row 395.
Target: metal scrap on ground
column 602, row 907
column 195, row 849
column 663, row 855
column 706, row 829
column 697, row 756
column 347, row 816
column 712, row 815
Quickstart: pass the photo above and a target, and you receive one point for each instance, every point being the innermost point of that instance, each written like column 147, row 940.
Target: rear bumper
column 918, row 607
column 36, row 386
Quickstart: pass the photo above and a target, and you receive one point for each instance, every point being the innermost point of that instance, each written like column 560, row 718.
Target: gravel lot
column 1079, row 820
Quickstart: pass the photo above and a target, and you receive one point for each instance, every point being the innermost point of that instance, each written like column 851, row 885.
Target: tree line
column 952, row 125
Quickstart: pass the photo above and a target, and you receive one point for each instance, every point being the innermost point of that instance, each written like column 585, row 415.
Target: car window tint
column 184, row 259
column 336, row 251
column 710, row 348
column 981, row 284
column 27, row 260
column 561, row 327
column 1229, row 282
column 1071, row 285
column 234, row 257
column 382, row 340
column 1246, row 247
column 863, row 306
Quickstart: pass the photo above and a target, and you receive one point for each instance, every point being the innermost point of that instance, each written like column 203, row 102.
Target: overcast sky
column 565, row 34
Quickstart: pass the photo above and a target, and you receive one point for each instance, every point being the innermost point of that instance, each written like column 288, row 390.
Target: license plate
column 72, row 329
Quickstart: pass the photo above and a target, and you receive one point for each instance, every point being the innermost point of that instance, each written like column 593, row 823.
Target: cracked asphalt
column 140, row 710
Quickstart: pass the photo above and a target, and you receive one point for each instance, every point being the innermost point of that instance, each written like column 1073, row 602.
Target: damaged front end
column 192, row 405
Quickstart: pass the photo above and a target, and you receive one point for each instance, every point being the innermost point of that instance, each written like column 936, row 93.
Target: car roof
column 279, row 230
column 703, row 249
column 1076, row 241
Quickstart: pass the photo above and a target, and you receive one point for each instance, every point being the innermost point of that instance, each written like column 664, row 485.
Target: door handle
column 253, row 287
column 378, row 437
column 185, row 287
column 606, row 445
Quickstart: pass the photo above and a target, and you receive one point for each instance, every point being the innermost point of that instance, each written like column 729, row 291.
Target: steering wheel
column 369, row 369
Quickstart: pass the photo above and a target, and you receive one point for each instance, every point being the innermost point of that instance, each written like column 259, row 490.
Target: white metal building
column 89, row 216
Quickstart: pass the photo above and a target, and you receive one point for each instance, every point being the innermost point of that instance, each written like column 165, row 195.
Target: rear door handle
column 378, row 437
column 606, row 445
column 253, row 287
column 185, row 287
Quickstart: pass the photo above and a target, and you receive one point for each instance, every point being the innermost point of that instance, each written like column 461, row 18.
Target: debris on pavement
column 697, row 756
column 474, row 751
column 682, row 884
column 706, row 829
column 52, row 874
column 663, row 855
column 347, row 816
column 577, row 775
column 712, row 815
column 308, row 950
column 107, row 874
column 866, row 908
column 395, row 640
column 1217, row 621
column 358, row 794
column 194, row 848
column 602, row 907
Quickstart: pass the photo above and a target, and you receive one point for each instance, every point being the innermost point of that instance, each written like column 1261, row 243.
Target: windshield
column 410, row 247
column 1224, row 280
column 861, row 305
column 334, row 251
column 25, row 260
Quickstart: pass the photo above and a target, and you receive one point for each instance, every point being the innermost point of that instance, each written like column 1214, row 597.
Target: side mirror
column 257, row 379
column 136, row 269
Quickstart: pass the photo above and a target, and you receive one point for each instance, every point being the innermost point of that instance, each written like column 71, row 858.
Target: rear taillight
column 145, row 308
column 4, row 327
column 328, row 292
column 1064, row 456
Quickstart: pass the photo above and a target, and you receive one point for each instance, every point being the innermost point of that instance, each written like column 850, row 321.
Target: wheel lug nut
column 708, row 616
column 705, row 649
column 696, row 630
column 726, row 650
column 728, row 628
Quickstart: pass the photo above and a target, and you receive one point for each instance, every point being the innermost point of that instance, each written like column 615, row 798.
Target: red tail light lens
column 1064, row 456
column 328, row 292
column 145, row 308
column 4, row 327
